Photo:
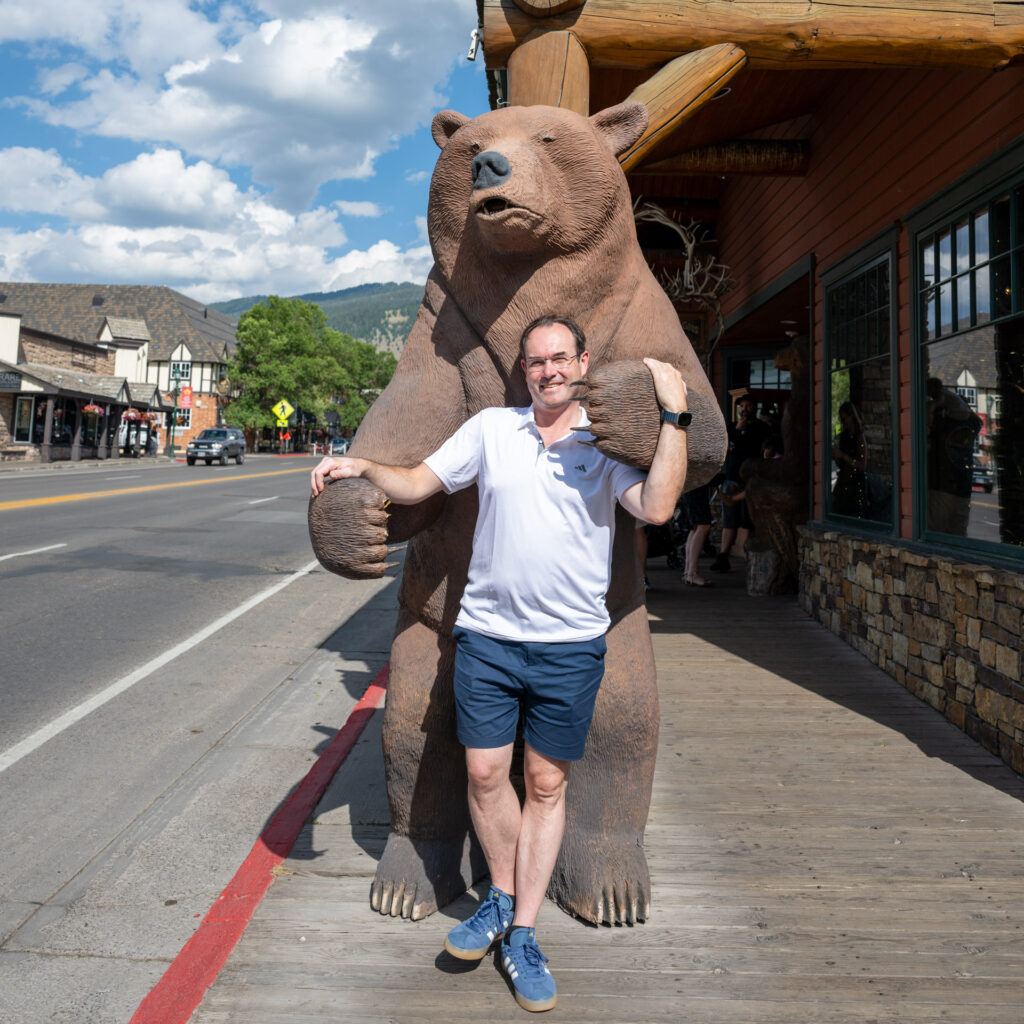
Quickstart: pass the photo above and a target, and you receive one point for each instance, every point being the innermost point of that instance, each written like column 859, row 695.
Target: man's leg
column 540, row 835
column 494, row 808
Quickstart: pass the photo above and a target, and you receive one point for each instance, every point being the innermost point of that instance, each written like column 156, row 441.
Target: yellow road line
column 6, row 506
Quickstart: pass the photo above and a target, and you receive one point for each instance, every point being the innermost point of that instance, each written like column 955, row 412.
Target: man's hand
column 334, row 469
column 669, row 386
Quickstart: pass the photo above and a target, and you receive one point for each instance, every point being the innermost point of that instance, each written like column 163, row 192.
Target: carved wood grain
column 873, row 33
column 550, row 68
column 678, row 91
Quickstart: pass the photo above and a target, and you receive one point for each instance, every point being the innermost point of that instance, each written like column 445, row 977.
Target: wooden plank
column 738, row 156
column 677, row 92
column 550, row 68
column 647, row 33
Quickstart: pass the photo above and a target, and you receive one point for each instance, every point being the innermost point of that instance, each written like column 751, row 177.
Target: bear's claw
column 417, row 876
column 602, row 879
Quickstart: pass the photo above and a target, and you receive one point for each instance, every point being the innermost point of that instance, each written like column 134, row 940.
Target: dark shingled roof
column 77, row 311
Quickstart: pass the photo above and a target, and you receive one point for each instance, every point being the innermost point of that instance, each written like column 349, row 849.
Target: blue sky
column 225, row 148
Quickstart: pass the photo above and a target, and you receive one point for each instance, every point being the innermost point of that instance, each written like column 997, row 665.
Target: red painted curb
column 195, row 968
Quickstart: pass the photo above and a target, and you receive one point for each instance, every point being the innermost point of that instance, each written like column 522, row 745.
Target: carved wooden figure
column 529, row 214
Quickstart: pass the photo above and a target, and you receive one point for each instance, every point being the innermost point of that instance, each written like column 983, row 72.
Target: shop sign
column 10, row 381
column 185, row 399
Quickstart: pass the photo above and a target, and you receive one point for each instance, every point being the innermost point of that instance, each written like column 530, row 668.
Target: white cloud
column 383, row 261
column 414, row 176
column 358, row 209
column 303, row 98
column 38, row 181
column 159, row 220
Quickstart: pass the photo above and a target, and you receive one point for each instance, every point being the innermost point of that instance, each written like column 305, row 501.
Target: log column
column 550, row 68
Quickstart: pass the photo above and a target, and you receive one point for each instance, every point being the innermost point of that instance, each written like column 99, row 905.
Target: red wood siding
column 881, row 144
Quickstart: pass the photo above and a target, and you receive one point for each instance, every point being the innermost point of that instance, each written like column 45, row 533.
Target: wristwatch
column 679, row 419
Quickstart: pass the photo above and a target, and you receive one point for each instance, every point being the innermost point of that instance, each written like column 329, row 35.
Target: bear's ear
column 621, row 125
column 446, row 124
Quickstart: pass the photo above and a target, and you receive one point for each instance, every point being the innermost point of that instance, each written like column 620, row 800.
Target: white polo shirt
column 542, row 547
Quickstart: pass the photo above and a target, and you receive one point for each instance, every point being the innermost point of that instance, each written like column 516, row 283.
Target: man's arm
column 654, row 499
column 403, row 486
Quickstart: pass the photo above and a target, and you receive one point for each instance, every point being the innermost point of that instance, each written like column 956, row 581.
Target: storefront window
column 23, row 412
column 858, row 340
column 971, row 369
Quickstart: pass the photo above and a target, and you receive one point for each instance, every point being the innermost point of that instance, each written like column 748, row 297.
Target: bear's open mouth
column 496, row 204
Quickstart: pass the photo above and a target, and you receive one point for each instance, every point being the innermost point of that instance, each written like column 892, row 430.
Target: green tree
column 286, row 350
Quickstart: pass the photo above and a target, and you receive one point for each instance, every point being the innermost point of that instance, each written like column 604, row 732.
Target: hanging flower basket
column 92, row 409
column 153, row 417
column 132, row 414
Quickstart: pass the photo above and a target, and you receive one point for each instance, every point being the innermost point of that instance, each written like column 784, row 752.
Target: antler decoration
column 701, row 279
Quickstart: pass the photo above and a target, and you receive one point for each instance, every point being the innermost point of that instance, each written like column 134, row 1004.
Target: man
column 953, row 428
column 530, row 632
column 746, row 437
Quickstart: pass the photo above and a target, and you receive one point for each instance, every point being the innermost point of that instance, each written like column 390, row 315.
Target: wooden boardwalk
column 823, row 848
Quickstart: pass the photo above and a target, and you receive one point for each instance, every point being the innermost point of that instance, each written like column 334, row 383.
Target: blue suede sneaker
column 471, row 939
column 524, row 964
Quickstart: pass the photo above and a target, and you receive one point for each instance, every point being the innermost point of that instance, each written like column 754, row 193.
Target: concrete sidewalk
column 823, row 848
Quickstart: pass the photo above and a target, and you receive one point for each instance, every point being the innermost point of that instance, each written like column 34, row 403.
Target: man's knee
column 545, row 777
column 487, row 768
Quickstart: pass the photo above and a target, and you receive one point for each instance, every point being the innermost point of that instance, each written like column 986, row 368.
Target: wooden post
column 76, row 437
column 678, row 91
column 550, row 68
column 870, row 33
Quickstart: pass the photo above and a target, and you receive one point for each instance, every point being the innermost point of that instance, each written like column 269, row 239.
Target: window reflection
column 975, row 444
column 860, row 398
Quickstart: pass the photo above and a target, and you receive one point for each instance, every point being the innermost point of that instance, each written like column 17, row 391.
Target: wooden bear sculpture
column 529, row 214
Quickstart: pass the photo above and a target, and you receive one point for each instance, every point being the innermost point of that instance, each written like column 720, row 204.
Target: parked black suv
column 220, row 443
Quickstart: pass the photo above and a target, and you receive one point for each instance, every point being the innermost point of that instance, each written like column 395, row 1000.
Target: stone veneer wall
column 949, row 631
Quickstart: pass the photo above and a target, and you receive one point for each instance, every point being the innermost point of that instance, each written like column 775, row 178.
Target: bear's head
column 529, row 180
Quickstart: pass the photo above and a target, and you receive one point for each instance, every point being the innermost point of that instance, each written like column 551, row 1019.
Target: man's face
column 746, row 411
column 551, row 364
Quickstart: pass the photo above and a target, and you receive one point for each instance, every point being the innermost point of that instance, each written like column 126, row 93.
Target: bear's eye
column 474, row 147
column 548, row 138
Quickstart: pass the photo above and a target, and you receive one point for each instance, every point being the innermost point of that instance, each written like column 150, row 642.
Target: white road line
column 34, row 551
column 259, row 501
column 134, row 476
column 58, row 725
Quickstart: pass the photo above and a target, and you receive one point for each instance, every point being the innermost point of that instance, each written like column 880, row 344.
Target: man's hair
column 547, row 321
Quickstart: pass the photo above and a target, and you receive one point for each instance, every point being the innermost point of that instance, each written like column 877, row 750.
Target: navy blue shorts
column 554, row 684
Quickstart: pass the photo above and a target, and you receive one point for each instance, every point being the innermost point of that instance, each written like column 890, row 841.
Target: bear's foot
column 602, row 879
column 417, row 876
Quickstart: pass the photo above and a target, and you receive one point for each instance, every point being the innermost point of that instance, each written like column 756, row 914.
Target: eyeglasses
column 560, row 363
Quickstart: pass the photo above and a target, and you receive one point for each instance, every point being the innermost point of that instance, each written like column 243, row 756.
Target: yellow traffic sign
column 282, row 423
column 283, row 410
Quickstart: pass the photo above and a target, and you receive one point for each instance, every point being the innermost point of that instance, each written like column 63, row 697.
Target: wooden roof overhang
column 712, row 73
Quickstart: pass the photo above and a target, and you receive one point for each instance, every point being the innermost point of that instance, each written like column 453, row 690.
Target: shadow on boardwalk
column 823, row 848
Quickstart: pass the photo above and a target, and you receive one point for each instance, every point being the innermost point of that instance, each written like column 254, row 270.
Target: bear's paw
column 624, row 415
column 348, row 526
column 603, row 879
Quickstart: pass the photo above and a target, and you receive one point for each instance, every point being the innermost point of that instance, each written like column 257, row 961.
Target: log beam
column 677, row 92
column 765, row 157
column 776, row 33
column 550, row 68
column 542, row 8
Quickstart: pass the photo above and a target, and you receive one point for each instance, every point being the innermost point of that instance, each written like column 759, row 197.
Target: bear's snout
column 490, row 169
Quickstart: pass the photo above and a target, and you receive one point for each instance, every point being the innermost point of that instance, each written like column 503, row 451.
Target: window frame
column 1001, row 174
column 884, row 246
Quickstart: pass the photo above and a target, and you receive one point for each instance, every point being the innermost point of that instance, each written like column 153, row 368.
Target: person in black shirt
column 746, row 437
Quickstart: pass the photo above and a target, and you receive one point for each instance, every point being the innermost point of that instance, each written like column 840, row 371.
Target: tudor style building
column 127, row 346
column 862, row 170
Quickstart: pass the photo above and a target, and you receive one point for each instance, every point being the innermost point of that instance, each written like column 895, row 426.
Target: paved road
column 122, row 825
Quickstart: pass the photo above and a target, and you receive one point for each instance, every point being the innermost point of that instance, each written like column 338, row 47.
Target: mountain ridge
column 381, row 313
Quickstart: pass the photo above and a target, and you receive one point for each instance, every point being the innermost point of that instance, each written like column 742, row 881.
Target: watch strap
column 679, row 419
